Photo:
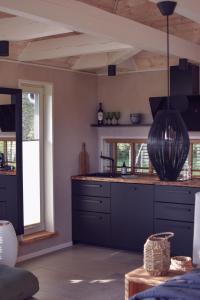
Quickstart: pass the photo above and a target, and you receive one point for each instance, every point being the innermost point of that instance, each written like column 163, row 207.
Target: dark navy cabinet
column 91, row 212
column 174, row 211
column 131, row 215
column 8, row 199
column 123, row 215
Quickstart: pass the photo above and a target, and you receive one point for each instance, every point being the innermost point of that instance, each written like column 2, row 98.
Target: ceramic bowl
column 135, row 118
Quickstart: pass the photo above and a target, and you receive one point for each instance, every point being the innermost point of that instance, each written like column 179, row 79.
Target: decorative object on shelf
column 135, row 118
column 100, row 115
column 157, row 254
column 117, row 115
column 83, row 161
column 121, row 125
column 112, row 70
column 106, row 118
column 8, row 244
column 181, row 263
column 168, row 140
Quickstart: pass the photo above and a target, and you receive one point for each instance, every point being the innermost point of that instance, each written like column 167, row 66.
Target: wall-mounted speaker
column 112, row 70
column 4, row 48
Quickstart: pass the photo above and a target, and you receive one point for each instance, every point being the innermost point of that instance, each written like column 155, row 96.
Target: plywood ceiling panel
column 147, row 13
column 142, row 11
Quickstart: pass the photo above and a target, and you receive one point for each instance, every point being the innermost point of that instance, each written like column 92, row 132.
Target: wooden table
column 139, row 280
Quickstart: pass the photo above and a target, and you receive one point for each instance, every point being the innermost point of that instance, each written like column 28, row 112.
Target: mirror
column 7, row 134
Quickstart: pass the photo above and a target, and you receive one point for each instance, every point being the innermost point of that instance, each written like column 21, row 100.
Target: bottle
column 124, row 169
column 100, row 115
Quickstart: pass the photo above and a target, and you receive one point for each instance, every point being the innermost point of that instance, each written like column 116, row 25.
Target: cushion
column 16, row 283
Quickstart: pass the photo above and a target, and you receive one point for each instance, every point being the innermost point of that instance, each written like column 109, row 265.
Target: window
column 123, row 156
column 135, row 155
column 32, row 130
column 141, row 164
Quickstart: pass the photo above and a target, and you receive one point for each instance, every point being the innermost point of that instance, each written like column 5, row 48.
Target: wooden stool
column 139, row 280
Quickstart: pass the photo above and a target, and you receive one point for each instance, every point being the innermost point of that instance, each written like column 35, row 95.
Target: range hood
column 184, row 79
column 184, row 89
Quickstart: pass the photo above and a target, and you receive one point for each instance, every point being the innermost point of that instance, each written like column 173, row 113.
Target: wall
column 74, row 109
column 130, row 92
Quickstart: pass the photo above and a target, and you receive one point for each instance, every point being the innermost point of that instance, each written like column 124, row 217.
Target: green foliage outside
column 123, row 154
column 27, row 118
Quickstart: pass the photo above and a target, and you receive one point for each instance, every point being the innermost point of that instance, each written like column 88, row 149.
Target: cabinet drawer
column 87, row 203
column 91, row 188
column 93, row 228
column 175, row 194
column 182, row 242
column 7, row 187
column 3, row 211
column 176, row 212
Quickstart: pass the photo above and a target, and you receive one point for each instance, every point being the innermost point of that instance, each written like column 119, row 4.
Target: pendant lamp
column 168, row 141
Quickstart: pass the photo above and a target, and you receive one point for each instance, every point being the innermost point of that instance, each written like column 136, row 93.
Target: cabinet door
column 8, row 194
column 92, row 228
column 91, row 188
column 87, row 203
column 182, row 242
column 176, row 212
column 131, row 215
column 175, row 194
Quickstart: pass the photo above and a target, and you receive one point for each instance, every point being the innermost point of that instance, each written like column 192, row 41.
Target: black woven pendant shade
column 168, row 141
column 168, row 144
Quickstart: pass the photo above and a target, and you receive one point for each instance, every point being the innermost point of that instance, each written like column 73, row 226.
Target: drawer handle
column 178, row 208
column 182, row 227
column 2, row 188
column 93, row 185
column 89, row 216
column 92, row 201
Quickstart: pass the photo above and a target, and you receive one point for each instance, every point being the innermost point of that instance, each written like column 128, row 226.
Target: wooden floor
column 82, row 272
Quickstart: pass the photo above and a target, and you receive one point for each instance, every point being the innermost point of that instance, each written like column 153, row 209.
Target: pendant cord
column 168, row 67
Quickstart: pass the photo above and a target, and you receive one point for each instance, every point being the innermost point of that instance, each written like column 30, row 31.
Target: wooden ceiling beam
column 18, row 29
column 88, row 19
column 68, row 46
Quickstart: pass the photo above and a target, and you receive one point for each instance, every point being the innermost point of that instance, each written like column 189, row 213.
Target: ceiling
column 87, row 35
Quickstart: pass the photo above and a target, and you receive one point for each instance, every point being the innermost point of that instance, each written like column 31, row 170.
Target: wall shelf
column 120, row 125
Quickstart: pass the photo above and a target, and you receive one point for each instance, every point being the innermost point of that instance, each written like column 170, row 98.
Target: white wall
column 74, row 108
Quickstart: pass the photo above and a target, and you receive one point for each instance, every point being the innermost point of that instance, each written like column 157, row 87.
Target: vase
column 8, row 244
column 157, row 254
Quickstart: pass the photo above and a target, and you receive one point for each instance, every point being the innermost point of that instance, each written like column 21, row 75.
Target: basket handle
column 164, row 235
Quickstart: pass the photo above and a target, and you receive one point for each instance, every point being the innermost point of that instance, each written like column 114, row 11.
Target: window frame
column 34, row 88
column 132, row 141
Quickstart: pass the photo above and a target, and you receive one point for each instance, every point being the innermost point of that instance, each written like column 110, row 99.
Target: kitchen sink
column 112, row 175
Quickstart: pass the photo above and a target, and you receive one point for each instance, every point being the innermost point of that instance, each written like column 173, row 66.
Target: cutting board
column 83, row 161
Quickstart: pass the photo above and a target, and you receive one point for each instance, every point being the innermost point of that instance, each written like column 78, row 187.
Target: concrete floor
column 83, row 272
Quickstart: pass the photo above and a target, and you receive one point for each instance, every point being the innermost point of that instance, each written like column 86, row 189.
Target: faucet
column 111, row 160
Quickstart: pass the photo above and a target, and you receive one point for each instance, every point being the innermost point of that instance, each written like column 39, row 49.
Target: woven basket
column 157, row 254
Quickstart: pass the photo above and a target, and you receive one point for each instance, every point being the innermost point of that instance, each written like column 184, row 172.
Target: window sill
column 37, row 236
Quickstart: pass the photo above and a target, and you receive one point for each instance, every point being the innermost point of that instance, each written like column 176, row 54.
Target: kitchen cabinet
column 131, row 215
column 123, row 215
column 91, row 212
column 174, row 211
column 8, row 199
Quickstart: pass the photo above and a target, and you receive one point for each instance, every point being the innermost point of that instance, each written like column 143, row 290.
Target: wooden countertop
column 4, row 172
column 142, row 179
